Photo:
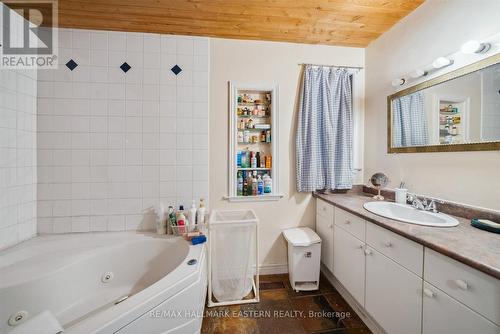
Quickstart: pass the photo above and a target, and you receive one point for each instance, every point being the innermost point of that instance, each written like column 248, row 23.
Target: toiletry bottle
column 200, row 213
column 246, row 136
column 238, row 159
column 192, row 214
column 263, row 136
column 255, row 184
column 260, row 186
column 249, row 157
column 268, row 161
column 181, row 219
column 267, row 184
column 240, row 136
column 239, row 189
column 245, row 185
column 257, row 157
column 249, row 185
column 244, row 159
column 268, row 136
column 262, row 162
column 253, row 161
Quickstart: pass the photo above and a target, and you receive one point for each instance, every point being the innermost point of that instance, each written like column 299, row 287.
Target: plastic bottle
column 239, row 190
column 249, row 185
column 260, row 186
column 243, row 159
column 238, row 158
column 268, row 136
column 161, row 222
column 200, row 213
column 181, row 219
column 253, row 161
column 192, row 214
column 245, row 185
column 257, row 157
column 268, row 183
column 254, row 185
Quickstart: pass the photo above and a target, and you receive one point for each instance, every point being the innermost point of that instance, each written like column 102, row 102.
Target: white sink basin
column 408, row 214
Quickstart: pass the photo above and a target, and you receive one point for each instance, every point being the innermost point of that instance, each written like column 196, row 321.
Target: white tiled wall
column 113, row 144
column 17, row 155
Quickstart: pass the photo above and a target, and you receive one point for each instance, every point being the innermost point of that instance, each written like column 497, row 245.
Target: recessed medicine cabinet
column 253, row 142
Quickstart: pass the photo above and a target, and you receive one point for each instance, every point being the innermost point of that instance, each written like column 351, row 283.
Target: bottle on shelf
column 254, row 184
column 244, row 160
column 249, row 185
column 268, row 161
column 253, row 161
column 245, row 185
column 238, row 158
column 268, row 182
column 239, row 191
column 246, row 136
column 268, row 136
column 263, row 136
column 192, row 214
column 181, row 219
column 260, row 185
column 240, row 136
column 257, row 158
column 262, row 162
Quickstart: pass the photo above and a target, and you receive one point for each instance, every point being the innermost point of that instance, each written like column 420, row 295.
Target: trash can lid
column 301, row 236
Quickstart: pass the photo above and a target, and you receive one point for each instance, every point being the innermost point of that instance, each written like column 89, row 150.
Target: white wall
column 17, row 155
column 114, row 144
column 268, row 62
column 434, row 29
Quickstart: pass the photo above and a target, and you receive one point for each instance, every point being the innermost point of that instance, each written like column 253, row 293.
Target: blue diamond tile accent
column 176, row 69
column 125, row 67
column 71, row 64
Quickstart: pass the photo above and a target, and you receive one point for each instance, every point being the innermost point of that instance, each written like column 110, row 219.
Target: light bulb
column 418, row 73
column 398, row 82
column 472, row 47
column 441, row 62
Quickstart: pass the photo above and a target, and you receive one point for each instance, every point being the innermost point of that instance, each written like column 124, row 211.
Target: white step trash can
column 304, row 253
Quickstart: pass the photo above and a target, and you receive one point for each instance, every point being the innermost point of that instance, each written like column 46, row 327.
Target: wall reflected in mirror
column 463, row 110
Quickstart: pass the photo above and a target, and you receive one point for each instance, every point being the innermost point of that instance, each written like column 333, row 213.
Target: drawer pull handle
column 368, row 252
column 462, row 284
column 324, row 208
column 330, row 226
column 429, row 293
column 388, row 244
column 347, row 222
column 359, row 247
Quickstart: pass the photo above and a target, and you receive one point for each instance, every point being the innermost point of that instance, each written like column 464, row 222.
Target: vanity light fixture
column 441, row 62
column 418, row 73
column 473, row 46
column 398, row 82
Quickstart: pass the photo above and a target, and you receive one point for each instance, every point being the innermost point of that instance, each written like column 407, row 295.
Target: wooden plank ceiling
column 331, row 22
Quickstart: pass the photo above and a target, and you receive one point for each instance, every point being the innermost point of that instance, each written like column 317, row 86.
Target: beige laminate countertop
column 476, row 248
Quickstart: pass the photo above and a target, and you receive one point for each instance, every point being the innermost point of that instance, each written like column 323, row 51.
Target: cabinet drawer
column 471, row 287
column 407, row 253
column 324, row 209
column 351, row 223
column 444, row 315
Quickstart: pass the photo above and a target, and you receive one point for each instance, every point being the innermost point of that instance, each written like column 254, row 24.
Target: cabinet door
column 324, row 228
column 393, row 294
column 444, row 315
column 349, row 259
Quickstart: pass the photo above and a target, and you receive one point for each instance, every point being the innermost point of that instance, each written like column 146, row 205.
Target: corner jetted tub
column 109, row 282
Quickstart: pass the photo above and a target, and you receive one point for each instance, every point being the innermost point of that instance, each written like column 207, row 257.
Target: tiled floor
column 284, row 311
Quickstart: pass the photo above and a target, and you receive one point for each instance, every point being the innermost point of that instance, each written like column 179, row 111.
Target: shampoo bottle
column 200, row 214
column 192, row 214
column 181, row 219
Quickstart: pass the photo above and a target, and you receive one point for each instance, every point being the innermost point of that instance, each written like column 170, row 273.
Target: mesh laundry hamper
column 233, row 257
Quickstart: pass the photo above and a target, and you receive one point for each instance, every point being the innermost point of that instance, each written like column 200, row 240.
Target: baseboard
column 272, row 269
column 359, row 309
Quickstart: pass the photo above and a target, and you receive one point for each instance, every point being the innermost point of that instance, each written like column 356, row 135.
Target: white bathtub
column 64, row 274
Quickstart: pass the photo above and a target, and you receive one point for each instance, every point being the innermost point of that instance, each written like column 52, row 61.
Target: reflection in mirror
column 463, row 110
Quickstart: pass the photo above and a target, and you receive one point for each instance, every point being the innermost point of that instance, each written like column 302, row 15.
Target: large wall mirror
column 458, row 111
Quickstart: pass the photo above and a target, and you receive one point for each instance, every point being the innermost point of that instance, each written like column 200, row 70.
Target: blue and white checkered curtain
column 409, row 123
column 325, row 130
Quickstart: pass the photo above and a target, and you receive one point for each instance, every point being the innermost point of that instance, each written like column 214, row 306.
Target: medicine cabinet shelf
column 253, row 149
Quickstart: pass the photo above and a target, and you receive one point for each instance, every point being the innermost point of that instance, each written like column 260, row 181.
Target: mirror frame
column 486, row 146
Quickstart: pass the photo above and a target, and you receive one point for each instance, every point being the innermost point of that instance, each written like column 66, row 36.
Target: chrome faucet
column 425, row 204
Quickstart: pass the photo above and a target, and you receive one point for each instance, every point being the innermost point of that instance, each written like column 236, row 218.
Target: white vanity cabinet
column 324, row 228
column 349, row 259
column 443, row 315
column 393, row 294
column 403, row 291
